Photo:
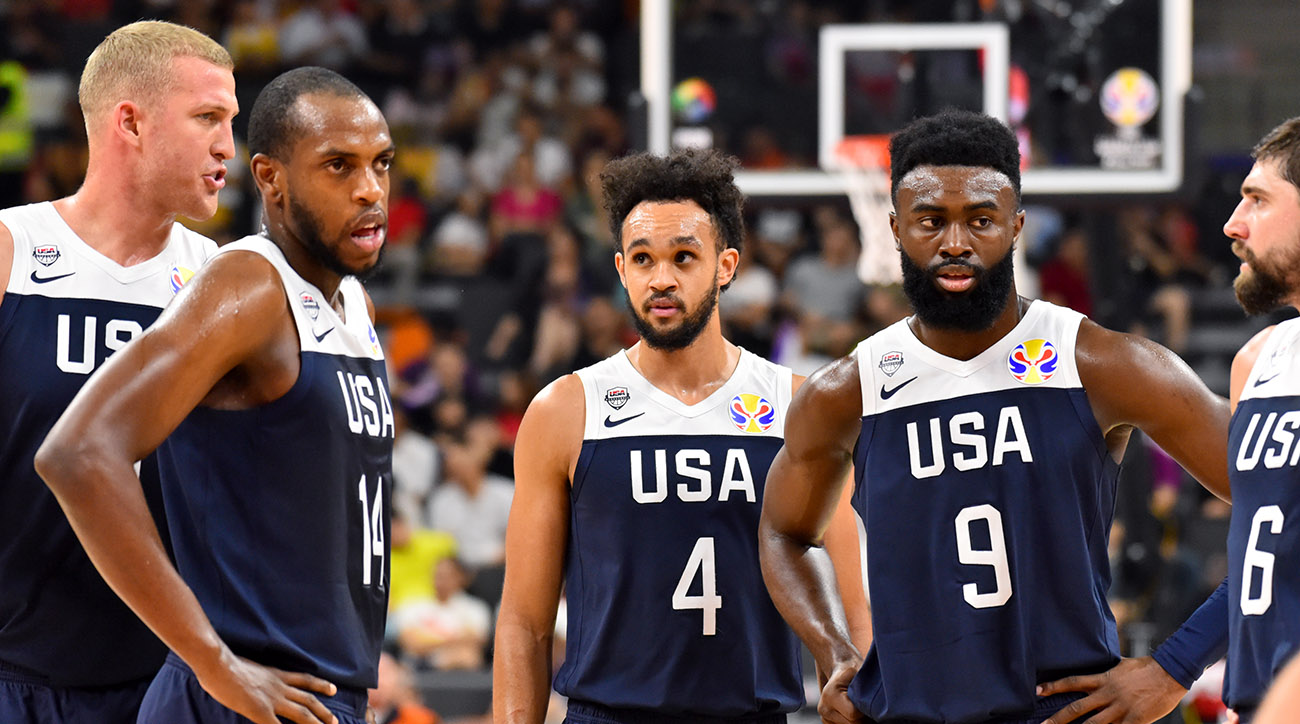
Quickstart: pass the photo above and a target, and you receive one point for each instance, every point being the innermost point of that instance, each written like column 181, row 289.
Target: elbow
column 62, row 462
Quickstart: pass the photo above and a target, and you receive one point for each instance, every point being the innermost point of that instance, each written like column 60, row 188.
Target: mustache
column 675, row 300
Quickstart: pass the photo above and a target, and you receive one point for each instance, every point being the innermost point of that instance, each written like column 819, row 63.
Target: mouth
column 216, row 180
column 955, row 278
column 663, row 308
column 370, row 233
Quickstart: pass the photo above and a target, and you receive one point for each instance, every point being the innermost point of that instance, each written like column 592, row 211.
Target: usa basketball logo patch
column 890, row 362
column 179, row 275
column 751, row 413
column 1033, row 361
column 46, row 255
column 616, row 397
column 310, row 304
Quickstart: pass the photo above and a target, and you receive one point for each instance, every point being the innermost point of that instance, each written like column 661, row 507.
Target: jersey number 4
column 702, row 564
column 1259, row 560
column 995, row 556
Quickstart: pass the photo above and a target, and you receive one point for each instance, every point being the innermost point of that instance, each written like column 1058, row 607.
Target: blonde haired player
column 84, row 275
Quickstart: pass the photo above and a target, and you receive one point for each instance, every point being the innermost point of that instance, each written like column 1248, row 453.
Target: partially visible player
column 639, row 482
column 83, row 276
column 1264, row 536
column 266, row 381
column 985, row 432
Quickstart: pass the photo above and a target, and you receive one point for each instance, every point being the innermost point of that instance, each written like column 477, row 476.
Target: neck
column 692, row 373
column 964, row 345
column 304, row 262
column 111, row 213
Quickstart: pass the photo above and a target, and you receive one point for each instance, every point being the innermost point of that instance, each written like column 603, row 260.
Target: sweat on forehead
column 975, row 181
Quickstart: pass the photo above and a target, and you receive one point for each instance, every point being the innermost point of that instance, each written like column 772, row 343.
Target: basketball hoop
column 863, row 162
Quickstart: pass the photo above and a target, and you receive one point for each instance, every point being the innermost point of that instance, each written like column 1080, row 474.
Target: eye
column 384, row 163
column 640, row 258
column 336, row 164
column 930, row 222
column 982, row 222
column 684, row 256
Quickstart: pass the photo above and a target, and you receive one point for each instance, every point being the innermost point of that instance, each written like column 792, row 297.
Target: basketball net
column 863, row 162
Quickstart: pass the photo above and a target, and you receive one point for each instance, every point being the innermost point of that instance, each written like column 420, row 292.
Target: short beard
column 309, row 232
column 972, row 311
column 1262, row 288
column 686, row 332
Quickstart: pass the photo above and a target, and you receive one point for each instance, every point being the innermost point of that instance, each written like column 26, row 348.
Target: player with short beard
column 638, row 484
column 263, row 389
column 985, row 434
column 1263, row 547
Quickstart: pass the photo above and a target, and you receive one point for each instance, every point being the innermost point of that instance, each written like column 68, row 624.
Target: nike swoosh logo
column 886, row 394
column 43, row 280
column 324, row 334
column 610, row 422
column 1262, row 380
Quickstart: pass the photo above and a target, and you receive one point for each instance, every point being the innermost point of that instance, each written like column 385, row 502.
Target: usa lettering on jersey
column 116, row 333
column 368, row 407
column 695, row 471
column 1272, row 442
column 963, row 439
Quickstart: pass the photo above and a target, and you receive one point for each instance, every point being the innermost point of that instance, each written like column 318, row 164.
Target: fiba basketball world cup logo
column 1033, row 361
column 751, row 413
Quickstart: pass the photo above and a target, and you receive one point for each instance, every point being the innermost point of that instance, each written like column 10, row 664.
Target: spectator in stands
column 416, row 468
column 449, row 630
column 1064, row 279
column 523, row 205
column 415, row 552
column 394, row 699
column 472, row 504
column 322, row 32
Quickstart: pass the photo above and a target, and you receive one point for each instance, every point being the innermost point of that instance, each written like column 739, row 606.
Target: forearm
column 106, row 508
column 521, row 673
column 802, row 584
column 1199, row 642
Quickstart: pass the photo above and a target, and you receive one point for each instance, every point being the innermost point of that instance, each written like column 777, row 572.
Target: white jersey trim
column 1276, row 372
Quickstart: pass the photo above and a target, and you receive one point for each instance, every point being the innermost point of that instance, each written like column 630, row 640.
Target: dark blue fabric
column 59, row 621
column 1199, row 642
column 627, row 645
column 23, row 701
column 280, row 520
column 936, row 655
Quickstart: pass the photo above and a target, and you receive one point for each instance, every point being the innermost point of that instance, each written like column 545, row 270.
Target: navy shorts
column 27, row 701
column 584, row 712
column 175, row 697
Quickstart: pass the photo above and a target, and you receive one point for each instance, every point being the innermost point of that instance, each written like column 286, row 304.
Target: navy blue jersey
column 986, row 492
column 1264, row 534
column 279, row 514
column 666, row 604
column 66, row 308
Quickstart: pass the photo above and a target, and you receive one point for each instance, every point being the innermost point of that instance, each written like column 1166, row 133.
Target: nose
column 1236, row 227
column 662, row 278
column 224, row 148
column 955, row 242
column 371, row 188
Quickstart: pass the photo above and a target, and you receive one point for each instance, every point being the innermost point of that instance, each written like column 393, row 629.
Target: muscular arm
column 546, row 451
column 1133, row 382
column 800, row 499
column 231, row 312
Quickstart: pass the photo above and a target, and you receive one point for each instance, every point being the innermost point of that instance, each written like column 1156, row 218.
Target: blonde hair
column 134, row 63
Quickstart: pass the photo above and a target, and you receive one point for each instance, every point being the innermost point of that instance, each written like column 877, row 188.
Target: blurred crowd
column 498, row 276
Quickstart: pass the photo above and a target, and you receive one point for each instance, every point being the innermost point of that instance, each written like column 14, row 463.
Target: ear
column 1017, row 226
column 728, row 263
column 893, row 229
column 126, row 119
column 618, row 264
column 269, row 176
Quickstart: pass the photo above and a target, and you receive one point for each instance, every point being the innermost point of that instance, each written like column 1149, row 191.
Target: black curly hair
column 954, row 138
column 702, row 176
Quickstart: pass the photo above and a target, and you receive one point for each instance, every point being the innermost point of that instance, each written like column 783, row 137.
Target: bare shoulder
column 1244, row 361
column 6, row 256
column 551, row 431
column 1098, row 347
column 835, row 385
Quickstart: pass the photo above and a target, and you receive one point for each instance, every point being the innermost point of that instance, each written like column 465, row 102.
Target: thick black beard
column 971, row 311
column 309, row 231
column 1263, row 291
column 685, row 333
